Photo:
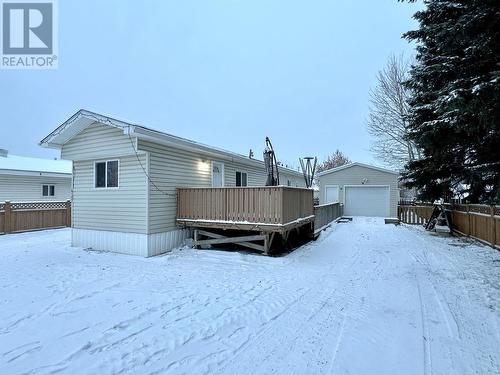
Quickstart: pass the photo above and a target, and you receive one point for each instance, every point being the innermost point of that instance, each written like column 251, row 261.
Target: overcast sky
column 225, row 73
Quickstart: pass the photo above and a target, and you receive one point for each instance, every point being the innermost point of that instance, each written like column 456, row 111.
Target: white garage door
column 366, row 201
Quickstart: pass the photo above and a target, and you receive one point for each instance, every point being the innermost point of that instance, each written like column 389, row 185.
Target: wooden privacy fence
column 415, row 214
column 476, row 220
column 268, row 205
column 26, row 216
column 325, row 214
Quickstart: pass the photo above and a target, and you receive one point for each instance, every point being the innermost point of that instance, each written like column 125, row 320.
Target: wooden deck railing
column 26, row 216
column 277, row 205
column 326, row 213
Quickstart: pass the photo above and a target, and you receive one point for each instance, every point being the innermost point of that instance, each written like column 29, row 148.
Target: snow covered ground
column 366, row 298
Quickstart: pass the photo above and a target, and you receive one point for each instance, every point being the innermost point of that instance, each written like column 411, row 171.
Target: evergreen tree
column 454, row 113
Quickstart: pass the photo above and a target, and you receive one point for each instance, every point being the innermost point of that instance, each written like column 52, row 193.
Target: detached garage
column 364, row 189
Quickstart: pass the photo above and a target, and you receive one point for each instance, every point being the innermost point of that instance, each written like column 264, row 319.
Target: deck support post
column 268, row 240
column 196, row 237
column 67, row 205
column 7, row 217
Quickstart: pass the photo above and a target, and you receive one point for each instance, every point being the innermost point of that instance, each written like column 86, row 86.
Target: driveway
column 364, row 298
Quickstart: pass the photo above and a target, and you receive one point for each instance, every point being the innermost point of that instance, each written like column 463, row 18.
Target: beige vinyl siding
column 256, row 176
column 139, row 205
column 295, row 180
column 354, row 176
column 122, row 209
column 96, row 142
column 170, row 168
column 29, row 188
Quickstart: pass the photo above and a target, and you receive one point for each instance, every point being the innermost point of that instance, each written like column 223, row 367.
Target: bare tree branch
column 336, row 159
column 388, row 113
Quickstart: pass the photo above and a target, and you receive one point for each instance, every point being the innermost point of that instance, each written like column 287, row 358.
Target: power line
column 144, row 169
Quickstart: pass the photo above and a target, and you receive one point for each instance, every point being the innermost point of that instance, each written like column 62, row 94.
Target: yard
column 365, row 298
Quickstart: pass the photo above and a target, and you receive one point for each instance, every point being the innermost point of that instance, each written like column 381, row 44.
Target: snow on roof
column 23, row 163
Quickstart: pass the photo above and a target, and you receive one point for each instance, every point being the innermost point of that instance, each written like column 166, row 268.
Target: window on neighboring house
column 106, row 174
column 289, row 183
column 241, row 178
column 48, row 190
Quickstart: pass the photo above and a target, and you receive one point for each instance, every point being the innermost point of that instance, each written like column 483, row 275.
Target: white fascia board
column 345, row 166
column 14, row 172
column 80, row 120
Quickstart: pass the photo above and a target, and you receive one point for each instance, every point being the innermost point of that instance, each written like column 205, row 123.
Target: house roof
column 345, row 166
column 84, row 118
column 14, row 164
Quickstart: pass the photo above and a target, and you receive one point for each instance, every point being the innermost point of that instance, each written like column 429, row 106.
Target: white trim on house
column 140, row 244
column 13, row 172
column 345, row 166
column 159, row 243
column 118, row 242
column 370, row 186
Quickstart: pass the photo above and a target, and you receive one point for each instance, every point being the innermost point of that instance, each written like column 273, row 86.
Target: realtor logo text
column 29, row 35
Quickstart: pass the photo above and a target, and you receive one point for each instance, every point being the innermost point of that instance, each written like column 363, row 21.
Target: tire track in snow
column 319, row 321
column 426, row 339
column 455, row 317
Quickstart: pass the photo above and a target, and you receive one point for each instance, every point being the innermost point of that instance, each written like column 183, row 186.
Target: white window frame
column 105, row 187
column 338, row 192
column 48, row 191
column 242, row 173
column 222, row 170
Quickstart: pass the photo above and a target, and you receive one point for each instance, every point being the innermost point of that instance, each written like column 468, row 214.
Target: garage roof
column 345, row 166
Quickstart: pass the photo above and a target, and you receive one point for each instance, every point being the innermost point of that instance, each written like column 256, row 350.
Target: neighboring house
column 364, row 190
column 24, row 179
column 125, row 180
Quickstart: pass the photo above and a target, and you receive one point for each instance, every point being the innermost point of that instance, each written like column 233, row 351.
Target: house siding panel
column 295, row 181
column 123, row 209
column 170, row 168
column 98, row 141
column 29, row 188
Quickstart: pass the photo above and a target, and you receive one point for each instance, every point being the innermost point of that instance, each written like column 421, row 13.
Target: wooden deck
column 253, row 217
column 263, row 209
